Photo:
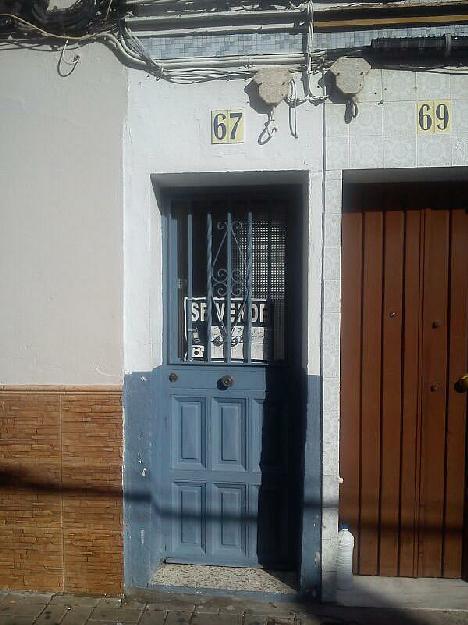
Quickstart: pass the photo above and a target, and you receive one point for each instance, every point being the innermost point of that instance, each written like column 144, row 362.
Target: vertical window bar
column 248, row 338
column 189, row 285
column 227, row 342
column 209, row 285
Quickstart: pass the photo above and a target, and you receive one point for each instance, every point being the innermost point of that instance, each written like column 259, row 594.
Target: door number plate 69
column 227, row 126
column 434, row 116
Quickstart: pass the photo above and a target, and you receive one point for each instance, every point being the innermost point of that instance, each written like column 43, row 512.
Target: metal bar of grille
column 189, row 285
column 209, row 284
column 248, row 338
column 227, row 342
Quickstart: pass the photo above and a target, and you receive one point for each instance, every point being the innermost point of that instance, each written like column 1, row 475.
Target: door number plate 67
column 227, row 126
column 434, row 116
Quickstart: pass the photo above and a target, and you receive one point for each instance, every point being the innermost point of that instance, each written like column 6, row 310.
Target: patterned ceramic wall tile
column 459, row 86
column 460, row 150
column 400, row 151
column 331, row 263
column 368, row 120
column 223, row 45
column 399, row 118
column 431, row 85
column 398, row 85
column 331, row 295
column 434, row 151
column 366, row 152
column 331, row 363
column 331, row 397
column 332, row 235
column 460, row 116
column 335, row 120
column 338, row 152
column 333, row 191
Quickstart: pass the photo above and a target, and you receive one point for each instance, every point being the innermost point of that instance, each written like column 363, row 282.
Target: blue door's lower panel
column 229, row 497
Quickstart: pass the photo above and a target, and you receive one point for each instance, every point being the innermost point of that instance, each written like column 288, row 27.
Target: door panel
column 456, row 402
column 351, row 376
column 411, row 370
column 189, row 433
column 404, row 345
column 433, row 415
column 370, row 399
column 232, row 419
column 229, row 435
column 188, row 502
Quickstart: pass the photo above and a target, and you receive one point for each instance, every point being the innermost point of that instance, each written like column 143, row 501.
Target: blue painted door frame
column 148, row 509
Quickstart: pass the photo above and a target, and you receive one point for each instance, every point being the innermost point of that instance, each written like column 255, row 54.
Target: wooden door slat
column 351, row 372
column 391, row 389
column 456, row 402
column 370, row 389
column 434, row 393
column 410, row 404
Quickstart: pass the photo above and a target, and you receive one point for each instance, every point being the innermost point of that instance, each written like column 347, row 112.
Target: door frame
column 309, row 565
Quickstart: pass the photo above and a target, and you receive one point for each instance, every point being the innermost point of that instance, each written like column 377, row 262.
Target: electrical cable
column 62, row 60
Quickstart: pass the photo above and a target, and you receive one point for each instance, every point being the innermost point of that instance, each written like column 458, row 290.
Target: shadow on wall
column 18, row 480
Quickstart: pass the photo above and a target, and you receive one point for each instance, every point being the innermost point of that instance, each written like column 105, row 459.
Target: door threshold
column 404, row 592
column 225, row 578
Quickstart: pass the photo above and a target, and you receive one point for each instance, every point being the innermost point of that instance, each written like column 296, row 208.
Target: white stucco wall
column 168, row 132
column 61, row 284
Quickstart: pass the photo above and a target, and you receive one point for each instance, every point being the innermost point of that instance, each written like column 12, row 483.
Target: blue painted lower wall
column 143, row 406
column 141, row 531
column 310, row 567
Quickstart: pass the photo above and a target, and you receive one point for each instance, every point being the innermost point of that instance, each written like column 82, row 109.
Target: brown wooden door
column 404, row 345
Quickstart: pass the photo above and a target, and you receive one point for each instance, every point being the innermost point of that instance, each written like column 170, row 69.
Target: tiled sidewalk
column 184, row 609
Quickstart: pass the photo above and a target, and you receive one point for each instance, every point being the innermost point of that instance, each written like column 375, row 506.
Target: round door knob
column 434, row 388
column 173, row 377
column 461, row 385
column 227, row 381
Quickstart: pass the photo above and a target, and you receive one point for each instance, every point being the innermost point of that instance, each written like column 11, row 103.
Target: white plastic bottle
column 344, row 561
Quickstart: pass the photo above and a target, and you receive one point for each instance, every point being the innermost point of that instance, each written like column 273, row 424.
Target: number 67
column 227, row 127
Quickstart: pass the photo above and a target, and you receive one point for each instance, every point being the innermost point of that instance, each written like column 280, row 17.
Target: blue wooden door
column 232, row 410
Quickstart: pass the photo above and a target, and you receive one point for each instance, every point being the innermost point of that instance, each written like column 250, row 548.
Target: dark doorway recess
column 404, row 346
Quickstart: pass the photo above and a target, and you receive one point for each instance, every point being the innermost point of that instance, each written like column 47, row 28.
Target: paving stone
column 255, row 619
column 12, row 619
column 76, row 615
column 30, row 597
column 268, row 609
column 207, row 608
column 120, row 615
column 169, row 606
column 51, row 615
column 178, row 618
column 310, row 619
column 81, row 601
column 208, row 618
column 21, row 609
column 153, row 617
column 110, row 602
column 131, row 603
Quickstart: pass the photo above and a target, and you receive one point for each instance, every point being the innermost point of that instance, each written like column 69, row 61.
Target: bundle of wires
column 79, row 18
